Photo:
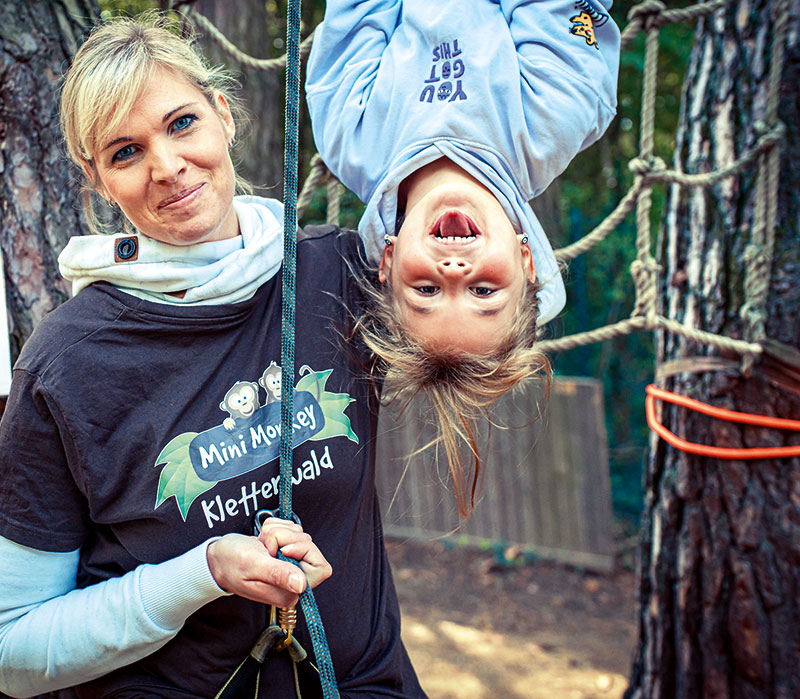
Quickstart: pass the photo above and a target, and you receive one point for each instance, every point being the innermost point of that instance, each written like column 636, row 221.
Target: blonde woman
column 142, row 430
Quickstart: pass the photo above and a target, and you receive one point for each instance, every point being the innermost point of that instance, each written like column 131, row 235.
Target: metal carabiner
column 286, row 616
column 262, row 515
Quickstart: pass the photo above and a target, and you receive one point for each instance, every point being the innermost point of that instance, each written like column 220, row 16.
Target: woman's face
column 168, row 167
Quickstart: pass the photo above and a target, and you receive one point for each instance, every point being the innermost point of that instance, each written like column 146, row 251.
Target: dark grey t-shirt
column 136, row 430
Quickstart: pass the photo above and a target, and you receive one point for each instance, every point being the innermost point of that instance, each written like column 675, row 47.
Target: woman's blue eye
column 183, row 122
column 123, row 154
column 482, row 291
column 427, row 290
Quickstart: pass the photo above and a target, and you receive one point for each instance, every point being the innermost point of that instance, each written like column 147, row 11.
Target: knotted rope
column 649, row 16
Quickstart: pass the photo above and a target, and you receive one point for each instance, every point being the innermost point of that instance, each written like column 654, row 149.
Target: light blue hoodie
column 509, row 90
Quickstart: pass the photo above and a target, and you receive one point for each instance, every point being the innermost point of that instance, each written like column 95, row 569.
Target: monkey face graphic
column 241, row 401
column 271, row 381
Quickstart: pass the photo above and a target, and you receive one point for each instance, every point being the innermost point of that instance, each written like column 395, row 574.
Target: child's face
column 458, row 271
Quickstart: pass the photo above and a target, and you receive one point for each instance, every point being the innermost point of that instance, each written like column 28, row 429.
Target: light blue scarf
column 225, row 271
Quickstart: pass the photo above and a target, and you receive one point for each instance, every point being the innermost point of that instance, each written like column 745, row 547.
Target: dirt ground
column 477, row 629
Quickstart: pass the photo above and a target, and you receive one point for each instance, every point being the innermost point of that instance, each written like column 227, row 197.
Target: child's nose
column 454, row 266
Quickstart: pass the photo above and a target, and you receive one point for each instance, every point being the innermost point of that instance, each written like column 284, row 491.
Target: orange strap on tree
column 653, row 393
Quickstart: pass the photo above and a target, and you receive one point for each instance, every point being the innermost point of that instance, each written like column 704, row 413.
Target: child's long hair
column 459, row 387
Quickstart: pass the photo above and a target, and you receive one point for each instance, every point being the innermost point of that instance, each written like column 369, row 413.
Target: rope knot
column 647, row 166
column 769, row 135
column 644, row 273
column 649, row 13
column 752, row 315
column 754, row 254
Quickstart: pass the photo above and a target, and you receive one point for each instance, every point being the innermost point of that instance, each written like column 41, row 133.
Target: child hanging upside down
column 446, row 117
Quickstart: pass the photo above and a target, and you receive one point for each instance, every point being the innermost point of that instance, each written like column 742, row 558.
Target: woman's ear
column 528, row 267
column 95, row 181
column 385, row 266
column 224, row 111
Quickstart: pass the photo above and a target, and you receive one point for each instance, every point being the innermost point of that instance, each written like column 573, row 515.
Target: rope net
column 648, row 169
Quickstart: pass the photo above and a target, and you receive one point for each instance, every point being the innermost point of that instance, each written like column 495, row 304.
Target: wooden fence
column 547, row 488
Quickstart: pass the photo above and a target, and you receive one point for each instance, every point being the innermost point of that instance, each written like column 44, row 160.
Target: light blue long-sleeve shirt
column 509, row 90
column 53, row 635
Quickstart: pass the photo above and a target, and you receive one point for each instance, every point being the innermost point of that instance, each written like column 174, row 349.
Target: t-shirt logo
column 250, row 435
column 447, row 71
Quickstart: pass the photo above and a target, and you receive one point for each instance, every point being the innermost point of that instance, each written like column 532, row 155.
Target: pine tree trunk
column 719, row 589
column 38, row 186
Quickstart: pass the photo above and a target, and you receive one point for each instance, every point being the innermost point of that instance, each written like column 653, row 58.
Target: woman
column 141, row 433
column 445, row 118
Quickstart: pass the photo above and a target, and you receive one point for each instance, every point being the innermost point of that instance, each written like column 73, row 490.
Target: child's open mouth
column 454, row 228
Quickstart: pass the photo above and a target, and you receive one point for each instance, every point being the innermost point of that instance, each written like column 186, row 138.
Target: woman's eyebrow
column 121, row 139
column 177, row 109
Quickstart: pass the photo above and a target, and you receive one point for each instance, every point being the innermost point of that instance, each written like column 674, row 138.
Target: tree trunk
column 38, row 185
column 260, row 33
column 718, row 583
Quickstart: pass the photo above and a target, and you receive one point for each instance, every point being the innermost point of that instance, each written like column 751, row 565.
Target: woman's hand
column 248, row 566
column 295, row 543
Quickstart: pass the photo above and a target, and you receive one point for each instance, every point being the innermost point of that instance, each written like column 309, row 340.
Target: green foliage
column 110, row 8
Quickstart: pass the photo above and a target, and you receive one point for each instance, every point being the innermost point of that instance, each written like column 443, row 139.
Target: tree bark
column 38, row 185
column 719, row 597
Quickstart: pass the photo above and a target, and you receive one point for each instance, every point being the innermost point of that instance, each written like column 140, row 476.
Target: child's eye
column 427, row 290
column 123, row 154
column 482, row 291
column 183, row 122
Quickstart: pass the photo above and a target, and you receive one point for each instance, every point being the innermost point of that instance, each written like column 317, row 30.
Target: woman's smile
column 184, row 198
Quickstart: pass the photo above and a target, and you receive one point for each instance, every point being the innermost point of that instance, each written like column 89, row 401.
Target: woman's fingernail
column 296, row 583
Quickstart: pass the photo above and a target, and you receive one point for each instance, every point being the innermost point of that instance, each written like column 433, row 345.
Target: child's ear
column 385, row 266
column 528, row 267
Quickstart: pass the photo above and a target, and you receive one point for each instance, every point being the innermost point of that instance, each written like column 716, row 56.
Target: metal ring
column 262, row 515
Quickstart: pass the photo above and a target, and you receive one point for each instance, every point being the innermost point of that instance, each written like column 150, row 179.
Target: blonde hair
column 459, row 388
column 108, row 73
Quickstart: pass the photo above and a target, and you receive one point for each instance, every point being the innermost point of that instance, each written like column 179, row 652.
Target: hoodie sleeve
column 568, row 54
column 342, row 69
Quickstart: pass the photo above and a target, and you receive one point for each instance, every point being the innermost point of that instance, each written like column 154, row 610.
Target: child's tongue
column 454, row 224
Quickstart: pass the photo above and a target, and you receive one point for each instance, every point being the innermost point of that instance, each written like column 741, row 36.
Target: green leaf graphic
column 337, row 424
column 178, row 477
column 313, row 382
column 333, row 405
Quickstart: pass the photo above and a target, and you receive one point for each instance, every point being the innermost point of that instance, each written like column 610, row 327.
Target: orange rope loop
column 654, row 393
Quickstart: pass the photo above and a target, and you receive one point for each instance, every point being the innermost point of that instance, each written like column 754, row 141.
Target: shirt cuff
column 173, row 590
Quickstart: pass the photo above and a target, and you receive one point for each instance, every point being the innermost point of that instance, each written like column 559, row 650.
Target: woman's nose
column 167, row 164
column 454, row 266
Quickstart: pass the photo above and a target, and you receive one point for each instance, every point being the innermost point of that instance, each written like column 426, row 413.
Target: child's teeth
column 458, row 238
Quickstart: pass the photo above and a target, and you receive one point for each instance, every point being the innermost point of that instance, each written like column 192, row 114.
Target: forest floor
column 477, row 629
